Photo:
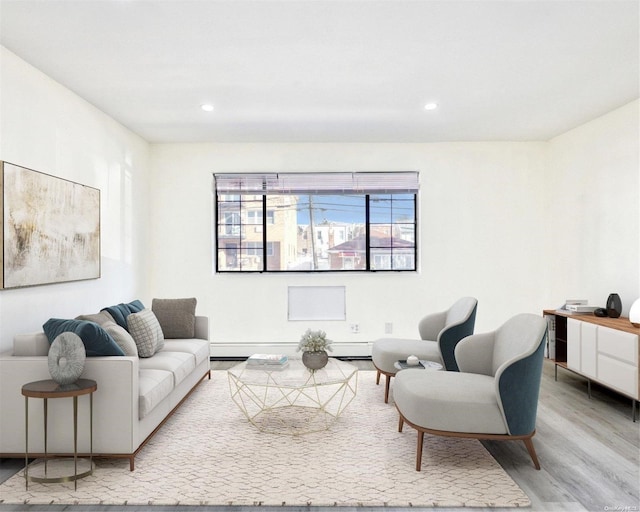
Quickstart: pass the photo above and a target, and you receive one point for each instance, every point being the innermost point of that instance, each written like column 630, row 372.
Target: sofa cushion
column 153, row 387
column 450, row 401
column 97, row 342
column 180, row 364
column 146, row 332
column 386, row 351
column 121, row 311
column 198, row 348
column 177, row 317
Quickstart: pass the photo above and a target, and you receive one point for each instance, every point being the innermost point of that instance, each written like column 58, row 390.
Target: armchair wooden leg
column 377, row 377
column 532, row 451
column 419, row 454
column 400, row 423
column 387, row 384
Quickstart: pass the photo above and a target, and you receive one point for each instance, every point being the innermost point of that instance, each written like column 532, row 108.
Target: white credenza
column 604, row 350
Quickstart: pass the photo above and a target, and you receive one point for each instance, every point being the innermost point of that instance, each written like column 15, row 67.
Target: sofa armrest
column 202, row 327
column 115, row 407
column 31, row 344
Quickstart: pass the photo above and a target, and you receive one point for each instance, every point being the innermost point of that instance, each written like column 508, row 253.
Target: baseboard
column 342, row 358
column 243, row 350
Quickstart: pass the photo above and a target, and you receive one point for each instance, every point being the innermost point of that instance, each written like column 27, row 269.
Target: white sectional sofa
column 135, row 396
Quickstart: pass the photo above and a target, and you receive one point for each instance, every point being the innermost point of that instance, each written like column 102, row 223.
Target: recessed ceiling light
column 207, row 107
column 431, row 106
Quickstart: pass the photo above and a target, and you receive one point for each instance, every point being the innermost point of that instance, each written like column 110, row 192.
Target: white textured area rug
column 209, row 454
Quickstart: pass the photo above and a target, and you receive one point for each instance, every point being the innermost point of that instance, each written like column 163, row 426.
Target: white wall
column 521, row 226
column 482, row 232
column 594, row 191
column 45, row 127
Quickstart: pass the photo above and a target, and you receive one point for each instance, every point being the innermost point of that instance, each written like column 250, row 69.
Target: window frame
column 263, row 185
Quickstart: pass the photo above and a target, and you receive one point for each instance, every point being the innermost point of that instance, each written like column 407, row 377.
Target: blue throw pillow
column 121, row 311
column 97, row 342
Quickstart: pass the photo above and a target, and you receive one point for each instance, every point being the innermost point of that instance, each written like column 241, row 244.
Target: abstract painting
column 50, row 229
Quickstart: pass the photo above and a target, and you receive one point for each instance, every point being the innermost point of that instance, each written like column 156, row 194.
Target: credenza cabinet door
column 589, row 348
column 582, row 347
column 574, row 358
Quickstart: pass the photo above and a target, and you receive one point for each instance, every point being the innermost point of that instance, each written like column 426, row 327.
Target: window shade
column 318, row 183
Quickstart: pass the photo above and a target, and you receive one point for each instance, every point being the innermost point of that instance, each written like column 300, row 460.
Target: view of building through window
column 315, row 232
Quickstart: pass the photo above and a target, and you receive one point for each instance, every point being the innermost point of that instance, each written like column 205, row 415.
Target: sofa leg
column 131, row 463
column 377, row 377
column 209, row 373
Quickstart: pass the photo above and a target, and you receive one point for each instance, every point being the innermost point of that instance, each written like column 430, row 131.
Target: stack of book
column 268, row 361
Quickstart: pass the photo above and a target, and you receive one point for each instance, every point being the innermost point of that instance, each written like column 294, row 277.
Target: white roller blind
column 244, row 183
column 318, row 183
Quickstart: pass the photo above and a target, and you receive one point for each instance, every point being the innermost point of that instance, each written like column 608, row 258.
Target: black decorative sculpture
column 614, row 305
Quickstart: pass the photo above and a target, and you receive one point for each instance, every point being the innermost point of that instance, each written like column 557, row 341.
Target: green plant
column 314, row 341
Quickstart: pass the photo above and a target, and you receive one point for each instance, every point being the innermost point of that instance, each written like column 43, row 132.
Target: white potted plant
column 314, row 346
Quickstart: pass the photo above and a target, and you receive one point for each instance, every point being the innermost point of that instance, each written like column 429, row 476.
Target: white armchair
column 493, row 396
column 439, row 334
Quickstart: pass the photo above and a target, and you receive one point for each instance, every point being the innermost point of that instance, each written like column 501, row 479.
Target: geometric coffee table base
column 293, row 401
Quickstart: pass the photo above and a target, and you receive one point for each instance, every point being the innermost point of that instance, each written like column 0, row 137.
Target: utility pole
column 313, row 238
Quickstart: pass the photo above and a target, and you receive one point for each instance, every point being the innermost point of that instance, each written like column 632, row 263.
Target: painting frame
column 50, row 229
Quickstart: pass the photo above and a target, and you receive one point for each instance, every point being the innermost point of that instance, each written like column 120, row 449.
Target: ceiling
column 336, row 71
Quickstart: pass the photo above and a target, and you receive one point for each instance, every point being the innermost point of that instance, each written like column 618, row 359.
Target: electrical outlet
column 355, row 328
column 388, row 328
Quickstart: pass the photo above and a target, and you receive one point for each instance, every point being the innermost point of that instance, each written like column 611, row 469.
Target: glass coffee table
column 293, row 400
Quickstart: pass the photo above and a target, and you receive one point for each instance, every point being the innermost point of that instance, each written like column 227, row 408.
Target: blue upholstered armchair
column 439, row 332
column 493, row 396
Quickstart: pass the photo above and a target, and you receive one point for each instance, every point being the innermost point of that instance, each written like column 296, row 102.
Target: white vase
column 634, row 313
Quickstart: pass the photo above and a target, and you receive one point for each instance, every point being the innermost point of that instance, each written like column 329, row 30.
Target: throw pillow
column 97, row 342
column 99, row 318
column 146, row 332
column 121, row 311
column 177, row 317
column 122, row 338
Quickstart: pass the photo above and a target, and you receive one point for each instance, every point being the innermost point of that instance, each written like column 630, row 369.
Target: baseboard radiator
column 242, row 350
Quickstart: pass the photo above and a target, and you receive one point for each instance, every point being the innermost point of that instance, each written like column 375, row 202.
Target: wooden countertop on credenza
column 622, row 323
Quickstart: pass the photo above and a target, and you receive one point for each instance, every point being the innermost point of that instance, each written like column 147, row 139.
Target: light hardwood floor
column 589, row 450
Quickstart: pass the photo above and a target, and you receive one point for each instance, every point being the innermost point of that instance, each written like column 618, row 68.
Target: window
column 288, row 222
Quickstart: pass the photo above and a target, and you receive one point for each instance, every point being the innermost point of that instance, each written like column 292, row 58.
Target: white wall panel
column 45, row 127
column 482, row 232
column 593, row 195
column 497, row 220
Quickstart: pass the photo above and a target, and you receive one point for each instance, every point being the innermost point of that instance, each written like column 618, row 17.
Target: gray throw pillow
column 122, row 338
column 100, row 318
column 177, row 317
column 146, row 332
